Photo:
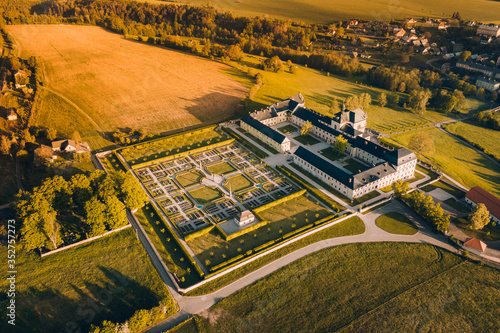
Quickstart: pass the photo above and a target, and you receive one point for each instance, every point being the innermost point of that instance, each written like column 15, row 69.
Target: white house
column 244, row 218
column 490, row 30
column 11, row 114
column 487, row 83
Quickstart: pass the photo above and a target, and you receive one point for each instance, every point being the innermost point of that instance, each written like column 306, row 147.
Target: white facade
column 488, row 30
column 281, row 147
column 487, row 84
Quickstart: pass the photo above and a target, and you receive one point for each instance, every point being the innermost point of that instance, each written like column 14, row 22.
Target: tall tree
column 340, row 145
column 400, row 188
column 382, row 99
column 5, row 145
column 304, row 130
column 131, row 191
column 334, row 107
column 421, row 142
column 479, row 217
column 76, row 137
column 116, row 215
column 51, row 134
column 95, row 213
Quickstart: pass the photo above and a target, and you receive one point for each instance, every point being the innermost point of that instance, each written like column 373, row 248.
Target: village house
column 487, row 83
column 399, row 33
column 21, row 79
column 70, row 146
column 490, row 30
column 11, row 114
column 477, row 195
column 443, row 25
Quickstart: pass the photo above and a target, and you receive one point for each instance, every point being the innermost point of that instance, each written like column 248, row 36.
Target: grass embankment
column 357, row 287
column 396, row 223
column 442, row 185
column 212, row 250
column 486, row 139
column 164, row 243
column 114, row 272
column 454, row 204
column 91, row 67
column 349, row 227
column 462, row 163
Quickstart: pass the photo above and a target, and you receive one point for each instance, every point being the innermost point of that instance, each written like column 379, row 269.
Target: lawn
column 205, row 194
column 106, row 279
column 462, row 163
column 330, row 154
column 307, row 139
column 325, row 11
column 212, row 250
column 367, row 287
column 349, row 227
column 190, row 178
column 486, row 139
column 288, row 129
column 220, row 168
column 111, row 163
column 366, row 197
column 454, row 204
column 442, row 185
column 168, row 249
column 396, row 223
column 238, row 183
column 91, row 67
column 172, row 145
column 354, row 166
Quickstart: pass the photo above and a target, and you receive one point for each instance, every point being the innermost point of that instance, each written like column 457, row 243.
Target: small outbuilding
column 11, row 114
column 244, row 218
column 474, row 244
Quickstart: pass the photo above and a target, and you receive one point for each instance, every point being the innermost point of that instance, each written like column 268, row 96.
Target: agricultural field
column 423, row 286
column 123, row 84
column 57, row 113
column 462, row 163
column 325, row 11
column 486, row 139
column 63, row 287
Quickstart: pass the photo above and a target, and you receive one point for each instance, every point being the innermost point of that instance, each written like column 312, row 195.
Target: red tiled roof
column 475, row 243
column 480, row 195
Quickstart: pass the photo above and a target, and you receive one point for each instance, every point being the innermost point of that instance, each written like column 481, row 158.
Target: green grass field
column 487, row 234
column 307, row 139
column 114, row 272
column 454, row 204
column 54, row 112
column 370, row 288
column 442, row 185
column 220, row 168
column 205, row 194
column 288, row 129
column 396, row 223
column 354, row 166
column 349, row 227
column 324, row 11
column 486, row 139
column 190, row 178
column 212, row 250
column 462, row 163
column 330, row 154
column 238, row 183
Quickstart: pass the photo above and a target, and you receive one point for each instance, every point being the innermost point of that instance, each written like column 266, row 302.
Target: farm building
column 477, row 195
column 491, row 30
column 244, row 218
column 70, row 146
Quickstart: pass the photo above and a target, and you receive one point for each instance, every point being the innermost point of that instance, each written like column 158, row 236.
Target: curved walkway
column 189, row 306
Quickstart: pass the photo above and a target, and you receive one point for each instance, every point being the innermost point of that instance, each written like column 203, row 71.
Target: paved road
column 194, row 305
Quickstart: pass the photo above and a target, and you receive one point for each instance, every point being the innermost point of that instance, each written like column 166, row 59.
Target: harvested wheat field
column 125, row 84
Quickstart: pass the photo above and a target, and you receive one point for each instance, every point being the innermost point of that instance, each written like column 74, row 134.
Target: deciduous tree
column 340, row 145
column 304, row 130
column 479, row 217
column 421, row 142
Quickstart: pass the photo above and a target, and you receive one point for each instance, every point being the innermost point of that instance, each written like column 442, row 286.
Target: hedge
column 279, row 201
column 181, row 154
column 192, row 236
column 246, row 230
column 324, row 199
column 184, row 251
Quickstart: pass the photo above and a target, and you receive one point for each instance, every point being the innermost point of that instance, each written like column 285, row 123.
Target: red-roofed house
column 477, row 195
column 474, row 244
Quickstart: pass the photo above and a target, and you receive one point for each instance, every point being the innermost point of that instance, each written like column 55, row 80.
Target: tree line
column 98, row 201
